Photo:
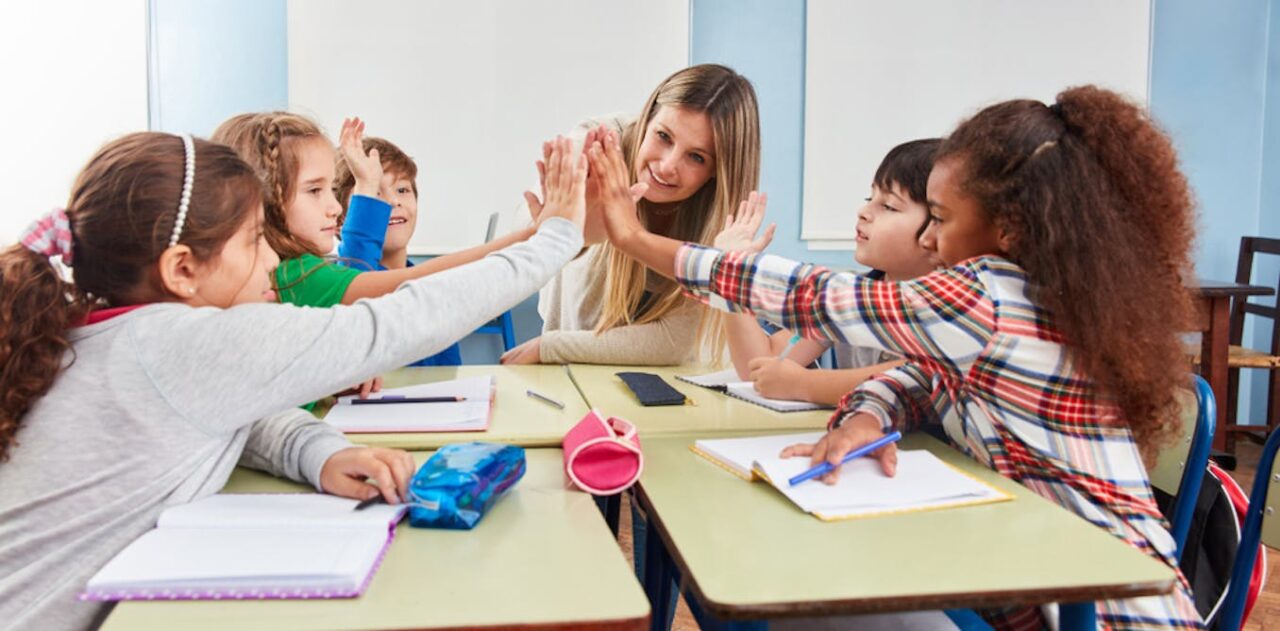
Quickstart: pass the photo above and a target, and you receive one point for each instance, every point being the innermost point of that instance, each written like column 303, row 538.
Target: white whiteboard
column 75, row 74
column 471, row 89
column 880, row 73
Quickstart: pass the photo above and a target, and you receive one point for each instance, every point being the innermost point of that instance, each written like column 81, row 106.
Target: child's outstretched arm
column 222, row 369
column 787, row 379
column 372, row 284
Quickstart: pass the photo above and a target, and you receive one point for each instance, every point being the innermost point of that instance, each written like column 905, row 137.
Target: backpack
column 1212, row 542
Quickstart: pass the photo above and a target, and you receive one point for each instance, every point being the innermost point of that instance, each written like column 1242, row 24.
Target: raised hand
column 366, row 168
column 618, row 196
column 564, row 183
column 739, row 233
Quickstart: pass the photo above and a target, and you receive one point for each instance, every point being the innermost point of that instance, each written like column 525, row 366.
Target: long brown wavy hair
column 122, row 210
column 1100, row 217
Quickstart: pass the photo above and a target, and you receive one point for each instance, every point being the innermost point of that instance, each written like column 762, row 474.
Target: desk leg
column 1214, row 347
column 1078, row 616
column 657, row 580
column 613, row 512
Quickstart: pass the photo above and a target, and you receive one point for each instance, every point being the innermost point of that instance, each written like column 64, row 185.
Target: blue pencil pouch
column 460, row 482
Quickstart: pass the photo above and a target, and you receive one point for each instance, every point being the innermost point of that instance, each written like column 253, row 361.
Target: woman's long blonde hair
column 728, row 99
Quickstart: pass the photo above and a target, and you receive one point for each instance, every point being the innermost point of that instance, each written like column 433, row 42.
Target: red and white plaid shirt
column 987, row 362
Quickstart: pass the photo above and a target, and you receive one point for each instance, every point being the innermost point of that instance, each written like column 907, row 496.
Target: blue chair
column 1184, row 503
column 502, row 324
column 504, row 327
column 1193, row 464
column 1238, row 589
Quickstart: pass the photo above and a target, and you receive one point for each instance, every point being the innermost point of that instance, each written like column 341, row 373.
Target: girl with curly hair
column 1048, row 350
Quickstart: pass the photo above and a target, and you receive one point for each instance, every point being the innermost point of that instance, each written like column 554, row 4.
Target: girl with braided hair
column 297, row 165
column 164, row 364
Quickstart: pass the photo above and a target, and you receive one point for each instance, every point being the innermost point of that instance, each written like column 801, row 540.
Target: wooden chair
column 1242, row 357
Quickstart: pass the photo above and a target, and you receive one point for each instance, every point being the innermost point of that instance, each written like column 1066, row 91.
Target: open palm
column 739, row 233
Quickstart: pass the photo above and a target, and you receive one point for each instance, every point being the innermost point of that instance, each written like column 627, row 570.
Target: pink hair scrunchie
column 50, row 235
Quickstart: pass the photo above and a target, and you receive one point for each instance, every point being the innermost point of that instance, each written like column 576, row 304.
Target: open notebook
column 922, row 482
column 727, row 381
column 471, row 415
column 283, row 545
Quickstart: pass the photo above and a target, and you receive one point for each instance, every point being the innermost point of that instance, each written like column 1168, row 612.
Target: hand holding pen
column 856, row 431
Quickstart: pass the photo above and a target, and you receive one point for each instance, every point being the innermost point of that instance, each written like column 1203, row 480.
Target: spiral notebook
column 923, row 481
column 727, row 381
column 270, row 546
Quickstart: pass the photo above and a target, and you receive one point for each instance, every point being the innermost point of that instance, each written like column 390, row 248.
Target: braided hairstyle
column 270, row 141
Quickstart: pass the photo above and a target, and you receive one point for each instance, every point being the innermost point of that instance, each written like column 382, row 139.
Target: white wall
column 880, row 73
column 74, row 76
column 471, row 89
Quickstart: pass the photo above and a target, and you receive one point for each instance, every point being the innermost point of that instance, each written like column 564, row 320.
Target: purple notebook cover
column 294, row 593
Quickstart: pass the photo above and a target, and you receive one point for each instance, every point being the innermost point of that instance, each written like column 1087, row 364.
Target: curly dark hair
column 1100, row 217
column 122, row 211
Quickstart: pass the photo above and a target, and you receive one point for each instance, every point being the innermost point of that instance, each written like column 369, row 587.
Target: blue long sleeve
column 364, row 232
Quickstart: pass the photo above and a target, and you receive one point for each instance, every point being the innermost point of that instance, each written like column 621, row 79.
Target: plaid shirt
column 988, row 363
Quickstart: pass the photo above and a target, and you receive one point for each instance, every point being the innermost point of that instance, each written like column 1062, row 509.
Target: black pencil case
column 650, row 389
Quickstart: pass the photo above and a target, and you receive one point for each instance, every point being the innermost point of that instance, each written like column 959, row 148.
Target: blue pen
column 795, row 339
column 826, row 467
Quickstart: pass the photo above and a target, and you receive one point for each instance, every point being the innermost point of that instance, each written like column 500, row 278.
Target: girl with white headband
column 144, row 382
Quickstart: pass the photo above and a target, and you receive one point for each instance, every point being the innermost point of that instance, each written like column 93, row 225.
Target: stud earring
column 191, row 290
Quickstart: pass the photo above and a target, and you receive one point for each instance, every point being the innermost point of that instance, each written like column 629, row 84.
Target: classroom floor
column 684, row 620
column 1265, row 617
column 1266, row 614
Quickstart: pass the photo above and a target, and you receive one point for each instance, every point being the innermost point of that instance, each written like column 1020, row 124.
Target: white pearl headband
column 188, row 179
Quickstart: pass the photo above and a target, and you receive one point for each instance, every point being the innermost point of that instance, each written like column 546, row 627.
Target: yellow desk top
column 542, row 556
column 709, row 412
column 518, row 419
column 748, row 552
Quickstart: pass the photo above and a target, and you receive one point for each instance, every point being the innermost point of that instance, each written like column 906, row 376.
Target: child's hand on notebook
column 855, row 432
column 353, row 473
column 778, row 378
column 364, row 389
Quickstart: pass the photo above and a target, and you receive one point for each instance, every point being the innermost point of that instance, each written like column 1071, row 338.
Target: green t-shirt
column 310, row 281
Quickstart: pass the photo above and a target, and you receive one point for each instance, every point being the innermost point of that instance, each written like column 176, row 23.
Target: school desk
column 1213, row 320
column 518, row 418
column 541, row 557
column 745, row 552
column 709, row 412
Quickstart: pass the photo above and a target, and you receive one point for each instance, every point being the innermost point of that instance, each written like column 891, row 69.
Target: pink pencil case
column 602, row 456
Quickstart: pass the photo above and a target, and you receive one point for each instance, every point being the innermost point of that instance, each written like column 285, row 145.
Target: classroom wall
column 211, row 60
column 1214, row 89
column 1267, row 270
column 60, row 103
column 1215, row 86
column 765, row 41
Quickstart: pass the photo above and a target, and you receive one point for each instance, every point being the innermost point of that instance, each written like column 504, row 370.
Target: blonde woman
column 693, row 154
